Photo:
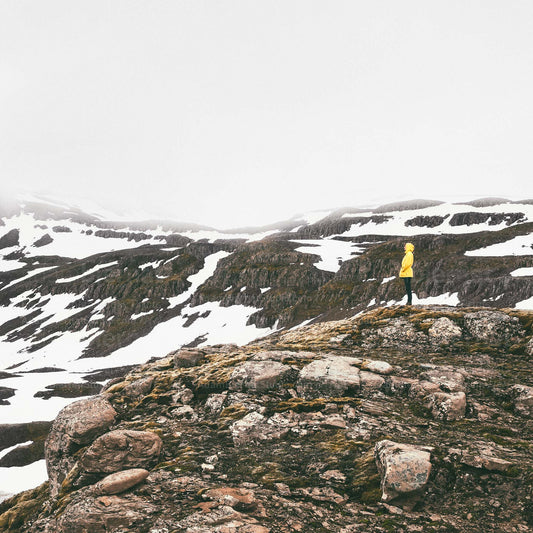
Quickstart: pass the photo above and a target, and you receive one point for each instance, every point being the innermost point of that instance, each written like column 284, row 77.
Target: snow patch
column 87, row 273
column 525, row 271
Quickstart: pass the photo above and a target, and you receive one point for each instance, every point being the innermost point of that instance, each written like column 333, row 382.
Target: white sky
column 227, row 112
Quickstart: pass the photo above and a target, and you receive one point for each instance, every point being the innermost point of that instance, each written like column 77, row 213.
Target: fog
column 247, row 112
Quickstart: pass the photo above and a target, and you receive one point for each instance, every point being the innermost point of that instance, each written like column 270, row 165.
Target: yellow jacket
column 407, row 262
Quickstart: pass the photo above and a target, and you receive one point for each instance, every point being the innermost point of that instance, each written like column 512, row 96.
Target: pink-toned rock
column 121, row 449
column 404, row 468
column 378, row 367
column 121, row 481
column 370, row 381
column 332, row 376
column 238, row 498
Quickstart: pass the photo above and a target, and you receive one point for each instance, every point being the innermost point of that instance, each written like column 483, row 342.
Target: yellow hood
column 409, row 247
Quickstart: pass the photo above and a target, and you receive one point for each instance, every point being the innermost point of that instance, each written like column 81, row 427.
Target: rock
column 444, row 331
column 11, row 434
column 188, row 357
column 184, row 396
column 404, row 468
column 255, row 427
column 75, row 426
column 11, row 238
column 523, row 400
column 487, row 462
column 447, row 380
column 334, row 475
column 401, row 385
column 370, row 381
column 333, row 422
column 378, row 367
column 6, row 392
column 492, row 326
column 425, row 221
column 215, row 402
column 186, row 412
column 138, row 388
column 121, row 481
column 398, row 331
column 69, row 390
column 258, row 376
column 238, row 498
column 247, row 429
column 447, row 406
column 23, row 455
column 121, row 449
column 529, row 347
column 420, row 389
column 103, row 514
column 332, row 376
column 43, row 241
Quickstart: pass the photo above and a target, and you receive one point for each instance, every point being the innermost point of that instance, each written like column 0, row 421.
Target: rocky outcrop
column 11, row 238
column 444, row 331
column 425, row 221
column 76, row 425
column 335, row 426
column 43, row 241
column 492, row 326
column 467, row 219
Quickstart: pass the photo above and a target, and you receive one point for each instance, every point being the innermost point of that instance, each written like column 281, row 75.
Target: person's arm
column 407, row 262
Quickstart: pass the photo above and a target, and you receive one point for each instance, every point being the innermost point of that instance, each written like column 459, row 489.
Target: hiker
column 406, row 271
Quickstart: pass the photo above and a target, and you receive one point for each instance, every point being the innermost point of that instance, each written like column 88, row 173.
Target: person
column 406, row 271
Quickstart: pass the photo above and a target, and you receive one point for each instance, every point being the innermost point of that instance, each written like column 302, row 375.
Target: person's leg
column 407, row 282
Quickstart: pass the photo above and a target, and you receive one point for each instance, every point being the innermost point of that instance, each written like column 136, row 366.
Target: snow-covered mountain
column 83, row 297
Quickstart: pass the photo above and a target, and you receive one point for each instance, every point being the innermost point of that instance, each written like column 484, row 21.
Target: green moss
column 365, row 482
column 300, row 405
column 233, row 412
column 22, row 508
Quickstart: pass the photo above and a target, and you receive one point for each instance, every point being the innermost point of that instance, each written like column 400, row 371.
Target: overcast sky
column 228, row 112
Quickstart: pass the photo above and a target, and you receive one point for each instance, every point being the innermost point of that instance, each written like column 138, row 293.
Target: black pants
column 407, row 282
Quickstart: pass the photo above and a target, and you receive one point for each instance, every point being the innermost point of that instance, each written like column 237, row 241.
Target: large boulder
column 492, row 326
column 258, row 376
column 119, row 450
column 404, row 469
column 444, row 331
column 75, row 426
column 331, row 376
